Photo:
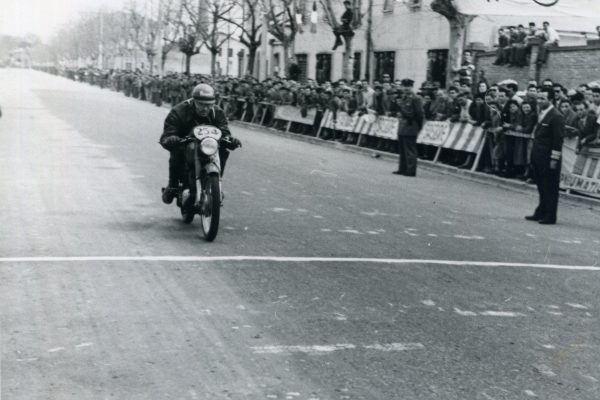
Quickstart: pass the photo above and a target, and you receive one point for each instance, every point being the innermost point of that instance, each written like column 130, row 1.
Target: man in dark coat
column 199, row 110
column 344, row 30
column 546, row 158
column 410, row 113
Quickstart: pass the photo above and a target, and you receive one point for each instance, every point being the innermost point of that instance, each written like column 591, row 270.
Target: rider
column 199, row 110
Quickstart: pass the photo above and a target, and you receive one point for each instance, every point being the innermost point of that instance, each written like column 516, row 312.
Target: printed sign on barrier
column 346, row 123
column 434, row 133
column 291, row 113
column 385, row 127
column 580, row 171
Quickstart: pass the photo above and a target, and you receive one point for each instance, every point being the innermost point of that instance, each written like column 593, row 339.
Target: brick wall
column 570, row 66
column 497, row 73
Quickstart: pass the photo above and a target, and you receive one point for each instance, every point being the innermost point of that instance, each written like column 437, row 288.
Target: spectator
column 595, row 104
column 570, row 118
column 551, row 40
column 518, row 55
column 503, row 46
column 528, row 123
column 585, row 125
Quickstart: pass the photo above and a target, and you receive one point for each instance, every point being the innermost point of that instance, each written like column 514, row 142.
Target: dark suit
column 547, row 145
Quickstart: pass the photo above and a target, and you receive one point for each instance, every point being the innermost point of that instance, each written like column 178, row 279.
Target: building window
column 356, row 67
column 302, row 61
column 388, row 6
column 323, row 67
column 436, row 66
column 384, row 64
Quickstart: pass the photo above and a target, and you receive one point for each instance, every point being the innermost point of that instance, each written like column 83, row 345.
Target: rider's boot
column 169, row 192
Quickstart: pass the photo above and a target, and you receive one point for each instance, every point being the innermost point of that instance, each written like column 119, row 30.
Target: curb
column 479, row 177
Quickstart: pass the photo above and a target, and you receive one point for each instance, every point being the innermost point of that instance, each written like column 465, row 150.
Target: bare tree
column 216, row 33
column 172, row 18
column 193, row 25
column 143, row 31
column 458, row 27
column 249, row 25
column 282, row 24
column 331, row 20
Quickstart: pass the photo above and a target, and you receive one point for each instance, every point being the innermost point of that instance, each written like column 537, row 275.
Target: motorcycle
column 201, row 192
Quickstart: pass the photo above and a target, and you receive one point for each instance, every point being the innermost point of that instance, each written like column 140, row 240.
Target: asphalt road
column 390, row 287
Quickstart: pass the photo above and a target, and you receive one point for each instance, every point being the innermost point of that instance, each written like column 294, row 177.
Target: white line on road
column 325, row 349
column 298, row 259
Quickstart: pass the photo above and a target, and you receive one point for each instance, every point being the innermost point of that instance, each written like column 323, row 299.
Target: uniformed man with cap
column 410, row 114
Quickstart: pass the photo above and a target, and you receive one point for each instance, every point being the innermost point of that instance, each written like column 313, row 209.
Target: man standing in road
column 546, row 158
column 410, row 113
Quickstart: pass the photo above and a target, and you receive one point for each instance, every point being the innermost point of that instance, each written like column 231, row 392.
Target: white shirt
column 552, row 35
column 543, row 114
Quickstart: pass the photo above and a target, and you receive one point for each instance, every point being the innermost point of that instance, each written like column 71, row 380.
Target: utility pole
column 159, row 37
column 369, row 42
column 100, row 45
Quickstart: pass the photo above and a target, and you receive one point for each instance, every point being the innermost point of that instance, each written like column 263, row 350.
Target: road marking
column 326, row 349
column 465, row 313
column 579, row 306
column 458, row 263
column 501, row 314
column 54, row 350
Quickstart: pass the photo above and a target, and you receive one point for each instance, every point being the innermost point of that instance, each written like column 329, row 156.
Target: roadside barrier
column 580, row 170
column 580, row 167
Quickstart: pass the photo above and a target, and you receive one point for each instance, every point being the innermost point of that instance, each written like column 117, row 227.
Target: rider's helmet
column 204, row 93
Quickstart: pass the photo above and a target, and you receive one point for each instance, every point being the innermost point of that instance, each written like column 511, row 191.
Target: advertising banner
column 385, row 127
column 434, row 133
column 291, row 113
column 580, row 171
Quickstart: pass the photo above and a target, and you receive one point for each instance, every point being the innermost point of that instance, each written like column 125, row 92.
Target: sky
column 45, row 17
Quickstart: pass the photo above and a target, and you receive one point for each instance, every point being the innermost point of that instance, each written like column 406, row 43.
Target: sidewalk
column 480, row 177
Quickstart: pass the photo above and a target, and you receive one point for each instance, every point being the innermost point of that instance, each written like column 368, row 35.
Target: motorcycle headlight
column 209, row 146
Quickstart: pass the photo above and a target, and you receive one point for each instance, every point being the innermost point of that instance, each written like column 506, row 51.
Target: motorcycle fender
column 212, row 168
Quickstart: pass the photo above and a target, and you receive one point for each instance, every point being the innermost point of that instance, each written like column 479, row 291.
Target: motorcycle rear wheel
column 211, row 209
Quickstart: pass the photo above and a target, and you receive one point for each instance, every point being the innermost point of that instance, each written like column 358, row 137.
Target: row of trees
column 158, row 27
column 161, row 26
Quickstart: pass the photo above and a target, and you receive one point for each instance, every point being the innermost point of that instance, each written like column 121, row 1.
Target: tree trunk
column 458, row 30
column 151, row 63
column 251, row 57
column 286, row 60
column 347, row 71
column 213, row 63
column 163, row 61
column 188, row 61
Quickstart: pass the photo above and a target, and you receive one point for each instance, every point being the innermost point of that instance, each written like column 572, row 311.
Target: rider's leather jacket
column 183, row 118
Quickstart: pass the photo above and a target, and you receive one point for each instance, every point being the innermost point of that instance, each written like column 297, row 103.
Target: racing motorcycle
column 201, row 192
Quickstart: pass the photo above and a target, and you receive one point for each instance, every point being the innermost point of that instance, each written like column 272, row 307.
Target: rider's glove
column 231, row 143
column 171, row 142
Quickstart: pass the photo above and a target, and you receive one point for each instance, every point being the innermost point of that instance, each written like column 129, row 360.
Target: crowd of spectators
column 502, row 108
column 515, row 44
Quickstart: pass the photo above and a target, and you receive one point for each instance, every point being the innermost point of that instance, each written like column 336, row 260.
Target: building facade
column 409, row 41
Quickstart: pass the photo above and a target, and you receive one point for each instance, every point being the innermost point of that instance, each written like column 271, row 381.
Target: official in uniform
column 410, row 114
column 546, row 158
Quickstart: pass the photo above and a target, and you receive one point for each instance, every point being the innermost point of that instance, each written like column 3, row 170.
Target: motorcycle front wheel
column 187, row 210
column 211, row 208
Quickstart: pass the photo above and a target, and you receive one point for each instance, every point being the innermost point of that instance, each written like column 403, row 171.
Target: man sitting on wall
column 344, row 30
